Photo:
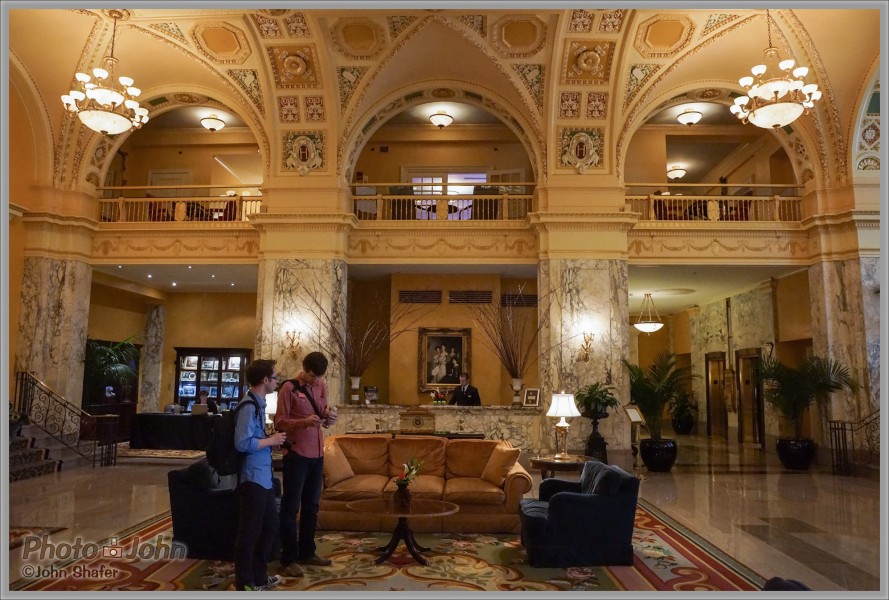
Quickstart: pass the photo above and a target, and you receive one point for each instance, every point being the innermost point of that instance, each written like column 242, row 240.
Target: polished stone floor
column 821, row 529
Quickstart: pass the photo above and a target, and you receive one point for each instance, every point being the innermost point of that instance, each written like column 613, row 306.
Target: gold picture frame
column 634, row 414
column 442, row 371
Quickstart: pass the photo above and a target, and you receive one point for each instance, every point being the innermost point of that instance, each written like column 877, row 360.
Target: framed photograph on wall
column 443, row 354
column 532, row 397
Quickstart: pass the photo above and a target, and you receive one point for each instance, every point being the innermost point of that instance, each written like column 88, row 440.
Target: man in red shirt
column 301, row 413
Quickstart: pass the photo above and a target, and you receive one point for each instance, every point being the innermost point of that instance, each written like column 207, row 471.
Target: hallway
column 821, row 529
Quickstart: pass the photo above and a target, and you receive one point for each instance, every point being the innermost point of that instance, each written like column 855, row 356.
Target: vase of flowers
column 402, row 495
column 439, row 398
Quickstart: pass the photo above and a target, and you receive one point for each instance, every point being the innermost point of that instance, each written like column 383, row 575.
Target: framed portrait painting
column 443, row 355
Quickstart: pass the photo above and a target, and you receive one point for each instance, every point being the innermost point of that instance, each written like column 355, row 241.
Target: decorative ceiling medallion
column 710, row 94
column 294, row 66
column 580, row 148
column 612, row 21
column 186, row 98
column 297, row 26
column 268, row 28
column 587, row 62
column 303, row 151
column 581, row 21
column 663, row 36
column 443, row 93
column 358, row 38
column 518, row 36
column 120, row 14
column 221, row 42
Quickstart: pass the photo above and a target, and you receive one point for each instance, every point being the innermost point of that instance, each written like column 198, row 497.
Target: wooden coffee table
column 549, row 464
column 417, row 508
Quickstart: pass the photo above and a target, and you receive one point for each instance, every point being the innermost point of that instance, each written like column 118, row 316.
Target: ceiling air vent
column 470, row 297
column 518, row 300
column 419, row 296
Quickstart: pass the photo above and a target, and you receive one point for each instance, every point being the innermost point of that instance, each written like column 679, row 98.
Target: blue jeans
column 303, row 481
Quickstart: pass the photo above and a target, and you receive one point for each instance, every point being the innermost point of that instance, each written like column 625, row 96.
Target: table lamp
column 562, row 406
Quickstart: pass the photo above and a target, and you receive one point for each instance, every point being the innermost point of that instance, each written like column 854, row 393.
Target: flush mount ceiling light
column 676, row 172
column 441, row 119
column 102, row 103
column 213, row 123
column 775, row 96
column 648, row 323
column 689, row 117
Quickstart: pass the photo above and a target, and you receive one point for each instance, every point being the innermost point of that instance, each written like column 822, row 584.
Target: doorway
column 751, row 416
column 717, row 414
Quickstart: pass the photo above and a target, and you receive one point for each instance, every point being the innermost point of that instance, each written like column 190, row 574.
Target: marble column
column 870, row 297
column 150, row 361
column 839, row 304
column 294, row 296
column 588, row 301
column 53, row 324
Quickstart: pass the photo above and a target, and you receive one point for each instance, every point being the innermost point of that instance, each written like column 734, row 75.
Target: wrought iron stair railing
column 854, row 443
column 94, row 437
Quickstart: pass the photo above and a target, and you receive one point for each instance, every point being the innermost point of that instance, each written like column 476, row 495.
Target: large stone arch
column 864, row 141
column 32, row 111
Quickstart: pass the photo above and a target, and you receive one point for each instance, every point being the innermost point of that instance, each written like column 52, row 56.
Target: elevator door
column 717, row 416
column 751, row 418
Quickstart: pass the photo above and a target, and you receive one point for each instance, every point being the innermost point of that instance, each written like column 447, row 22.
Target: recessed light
column 213, row 276
column 189, row 266
column 120, row 266
column 149, row 275
column 233, row 285
column 174, row 284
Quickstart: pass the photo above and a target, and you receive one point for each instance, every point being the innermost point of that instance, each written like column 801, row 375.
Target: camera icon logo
column 112, row 550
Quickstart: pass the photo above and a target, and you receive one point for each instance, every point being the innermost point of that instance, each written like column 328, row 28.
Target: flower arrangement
column 438, row 396
column 410, row 471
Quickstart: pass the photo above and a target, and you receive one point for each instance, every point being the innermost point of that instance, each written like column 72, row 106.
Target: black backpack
column 221, row 453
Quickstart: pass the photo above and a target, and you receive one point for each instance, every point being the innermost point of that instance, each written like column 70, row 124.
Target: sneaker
column 316, row 561
column 291, row 570
column 271, row 582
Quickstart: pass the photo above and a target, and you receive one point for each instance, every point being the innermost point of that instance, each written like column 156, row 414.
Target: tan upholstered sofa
column 483, row 477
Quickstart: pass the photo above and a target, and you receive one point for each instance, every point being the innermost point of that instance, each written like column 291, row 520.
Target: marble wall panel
column 870, row 296
column 53, row 324
column 150, row 360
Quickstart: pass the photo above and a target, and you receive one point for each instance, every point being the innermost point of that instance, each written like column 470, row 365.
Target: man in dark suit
column 465, row 394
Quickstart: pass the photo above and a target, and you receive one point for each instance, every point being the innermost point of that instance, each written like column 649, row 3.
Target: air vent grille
column 470, row 297
column 419, row 296
column 519, row 300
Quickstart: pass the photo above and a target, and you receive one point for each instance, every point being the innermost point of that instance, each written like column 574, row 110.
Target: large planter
column 683, row 424
column 658, row 455
column 595, row 443
column 796, row 454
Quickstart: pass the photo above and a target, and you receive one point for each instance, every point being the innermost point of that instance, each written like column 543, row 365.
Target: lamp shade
column 676, row 172
column 441, row 119
column 689, row 117
column 563, row 406
column 271, row 403
column 213, row 123
column 648, row 322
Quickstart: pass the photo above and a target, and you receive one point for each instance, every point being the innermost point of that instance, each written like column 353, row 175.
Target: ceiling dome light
column 647, row 323
column 689, row 117
column 676, row 172
column 441, row 119
column 213, row 123
column 103, row 103
column 777, row 95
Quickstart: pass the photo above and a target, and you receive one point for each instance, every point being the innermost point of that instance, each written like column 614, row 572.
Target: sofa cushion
column 336, row 465
column 367, row 454
column 472, row 490
column 202, row 476
column 467, row 458
column 499, row 464
column 360, row 487
column 430, row 450
column 598, row 478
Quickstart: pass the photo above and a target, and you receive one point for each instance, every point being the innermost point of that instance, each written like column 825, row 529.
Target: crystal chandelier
column 776, row 96
column 102, row 103
column 646, row 322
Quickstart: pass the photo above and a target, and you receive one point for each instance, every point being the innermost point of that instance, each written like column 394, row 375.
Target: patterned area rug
column 667, row 557
column 17, row 533
column 124, row 451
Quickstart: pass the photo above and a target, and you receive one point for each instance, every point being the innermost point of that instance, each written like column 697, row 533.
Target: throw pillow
column 500, row 464
column 336, row 465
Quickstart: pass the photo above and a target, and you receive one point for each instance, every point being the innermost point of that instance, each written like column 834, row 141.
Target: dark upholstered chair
column 204, row 507
column 779, row 584
column 582, row 523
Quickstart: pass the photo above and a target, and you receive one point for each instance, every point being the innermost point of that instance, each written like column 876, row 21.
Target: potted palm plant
column 791, row 390
column 683, row 412
column 594, row 401
column 652, row 389
column 108, row 364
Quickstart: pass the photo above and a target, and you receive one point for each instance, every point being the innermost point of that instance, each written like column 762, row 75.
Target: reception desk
column 171, row 432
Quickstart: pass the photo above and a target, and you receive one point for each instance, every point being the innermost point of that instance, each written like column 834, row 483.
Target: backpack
column 221, row 453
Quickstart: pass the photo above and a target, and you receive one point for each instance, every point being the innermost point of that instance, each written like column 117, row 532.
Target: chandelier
column 776, row 96
column 676, row 172
column 102, row 103
column 441, row 119
column 646, row 322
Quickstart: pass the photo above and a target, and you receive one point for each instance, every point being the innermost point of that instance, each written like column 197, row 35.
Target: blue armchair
column 582, row 523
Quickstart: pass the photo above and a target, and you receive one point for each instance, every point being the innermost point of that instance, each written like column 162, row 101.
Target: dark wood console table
column 171, row 432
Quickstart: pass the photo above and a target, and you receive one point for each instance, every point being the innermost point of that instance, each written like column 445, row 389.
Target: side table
column 548, row 465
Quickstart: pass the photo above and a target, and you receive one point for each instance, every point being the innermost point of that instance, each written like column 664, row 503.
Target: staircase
column 26, row 461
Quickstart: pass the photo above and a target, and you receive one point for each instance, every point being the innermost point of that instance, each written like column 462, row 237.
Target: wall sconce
column 292, row 342
column 769, row 348
column 586, row 348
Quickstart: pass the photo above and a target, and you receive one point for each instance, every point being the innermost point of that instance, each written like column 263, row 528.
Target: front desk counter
column 171, row 432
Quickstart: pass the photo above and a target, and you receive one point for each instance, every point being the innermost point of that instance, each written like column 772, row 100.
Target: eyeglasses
column 275, row 377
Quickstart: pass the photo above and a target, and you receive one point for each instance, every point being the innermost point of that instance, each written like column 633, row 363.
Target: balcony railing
column 715, row 203
column 175, row 203
column 436, row 202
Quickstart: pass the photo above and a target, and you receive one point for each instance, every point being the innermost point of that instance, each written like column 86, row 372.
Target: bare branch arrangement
column 357, row 342
column 509, row 333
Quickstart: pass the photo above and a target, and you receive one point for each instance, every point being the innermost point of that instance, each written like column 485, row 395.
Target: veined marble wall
column 54, row 317
column 870, row 296
column 838, row 332
column 150, row 361
column 292, row 295
column 589, row 296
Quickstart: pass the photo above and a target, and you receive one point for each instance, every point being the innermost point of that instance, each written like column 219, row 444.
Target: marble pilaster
column 870, row 296
column 150, row 360
column 589, row 297
column 53, row 325
column 292, row 297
